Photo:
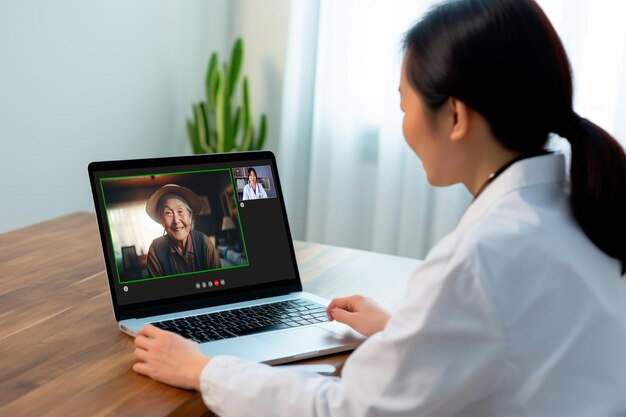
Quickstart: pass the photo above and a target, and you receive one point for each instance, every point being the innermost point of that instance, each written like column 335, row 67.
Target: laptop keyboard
column 245, row 321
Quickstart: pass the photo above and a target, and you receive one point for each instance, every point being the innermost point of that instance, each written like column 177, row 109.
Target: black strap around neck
column 504, row 167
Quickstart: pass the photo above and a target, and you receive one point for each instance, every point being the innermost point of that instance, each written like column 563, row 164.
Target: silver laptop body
column 257, row 267
column 272, row 347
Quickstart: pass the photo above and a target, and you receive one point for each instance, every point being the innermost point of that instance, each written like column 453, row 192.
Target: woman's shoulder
column 500, row 240
column 523, row 216
column 203, row 237
column 518, row 238
column 199, row 235
column 161, row 240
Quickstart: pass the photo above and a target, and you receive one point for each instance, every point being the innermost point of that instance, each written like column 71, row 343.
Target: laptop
column 200, row 245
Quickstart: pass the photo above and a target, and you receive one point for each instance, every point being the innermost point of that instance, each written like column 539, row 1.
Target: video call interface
column 180, row 232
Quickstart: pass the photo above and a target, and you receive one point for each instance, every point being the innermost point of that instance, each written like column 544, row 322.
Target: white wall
column 94, row 80
column 263, row 24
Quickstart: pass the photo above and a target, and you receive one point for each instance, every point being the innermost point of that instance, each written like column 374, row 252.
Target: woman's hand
column 358, row 312
column 169, row 358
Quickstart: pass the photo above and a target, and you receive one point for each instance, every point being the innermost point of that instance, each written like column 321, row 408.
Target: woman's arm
column 439, row 353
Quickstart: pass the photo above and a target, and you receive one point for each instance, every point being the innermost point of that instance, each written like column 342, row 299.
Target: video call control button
column 222, row 282
column 204, row 285
column 197, row 285
column 216, row 283
column 210, row 284
column 125, row 288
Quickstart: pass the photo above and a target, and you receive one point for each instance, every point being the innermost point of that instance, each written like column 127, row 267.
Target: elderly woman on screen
column 181, row 249
column 253, row 190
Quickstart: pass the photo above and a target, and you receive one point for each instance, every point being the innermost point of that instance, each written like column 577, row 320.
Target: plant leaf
column 219, row 117
column 248, row 129
column 236, row 123
column 209, row 77
column 262, row 133
column 202, row 132
column 214, row 85
column 206, row 145
column 192, row 131
column 236, row 59
column 226, row 109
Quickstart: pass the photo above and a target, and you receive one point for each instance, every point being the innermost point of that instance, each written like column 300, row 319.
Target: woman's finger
column 335, row 303
column 330, row 306
column 142, row 342
column 141, row 368
column 149, row 331
column 343, row 316
column 141, row 355
column 344, row 303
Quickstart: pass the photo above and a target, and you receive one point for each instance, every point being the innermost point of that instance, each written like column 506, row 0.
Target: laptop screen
column 191, row 228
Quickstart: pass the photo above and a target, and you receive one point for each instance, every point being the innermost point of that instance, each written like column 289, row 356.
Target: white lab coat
column 250, row 193
column 515, row 313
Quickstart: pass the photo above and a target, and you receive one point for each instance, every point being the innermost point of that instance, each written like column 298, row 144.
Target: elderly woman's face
column 176, row 219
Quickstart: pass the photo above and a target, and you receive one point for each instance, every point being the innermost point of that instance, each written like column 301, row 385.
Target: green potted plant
column 223, row 122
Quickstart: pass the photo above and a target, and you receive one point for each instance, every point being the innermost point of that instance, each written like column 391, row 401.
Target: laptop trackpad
column 303, row 342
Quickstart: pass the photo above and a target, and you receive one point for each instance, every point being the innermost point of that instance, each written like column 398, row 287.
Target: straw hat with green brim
column 152, row 206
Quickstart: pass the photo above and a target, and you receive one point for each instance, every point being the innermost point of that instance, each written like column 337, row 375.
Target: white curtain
column 131, row 227
column 349, row 179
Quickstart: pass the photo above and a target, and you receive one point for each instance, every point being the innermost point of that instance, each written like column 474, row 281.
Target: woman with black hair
column 521, row 310
column 253, row 190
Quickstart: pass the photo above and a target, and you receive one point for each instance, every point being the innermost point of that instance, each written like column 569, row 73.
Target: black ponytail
column 505, row 60
column 598, row 186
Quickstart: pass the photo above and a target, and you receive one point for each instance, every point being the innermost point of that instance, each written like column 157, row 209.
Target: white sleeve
column 235, row 387
column 262, row 192
column 246, row 192
column 437, row 355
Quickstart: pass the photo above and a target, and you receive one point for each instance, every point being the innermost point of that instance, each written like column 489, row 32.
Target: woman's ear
column 460, row 119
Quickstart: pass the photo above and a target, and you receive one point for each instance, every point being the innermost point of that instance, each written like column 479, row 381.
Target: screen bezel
column 190, row 302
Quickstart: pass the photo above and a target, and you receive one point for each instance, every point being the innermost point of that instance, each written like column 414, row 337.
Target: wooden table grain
column 61, row 353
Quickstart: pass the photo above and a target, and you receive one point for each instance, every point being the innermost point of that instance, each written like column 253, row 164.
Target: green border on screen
column 245, row 250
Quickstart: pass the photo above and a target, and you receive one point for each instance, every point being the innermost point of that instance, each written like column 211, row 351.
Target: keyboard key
column 262, row 329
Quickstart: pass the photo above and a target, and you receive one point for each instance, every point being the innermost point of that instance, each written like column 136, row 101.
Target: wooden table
column 61, row 353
